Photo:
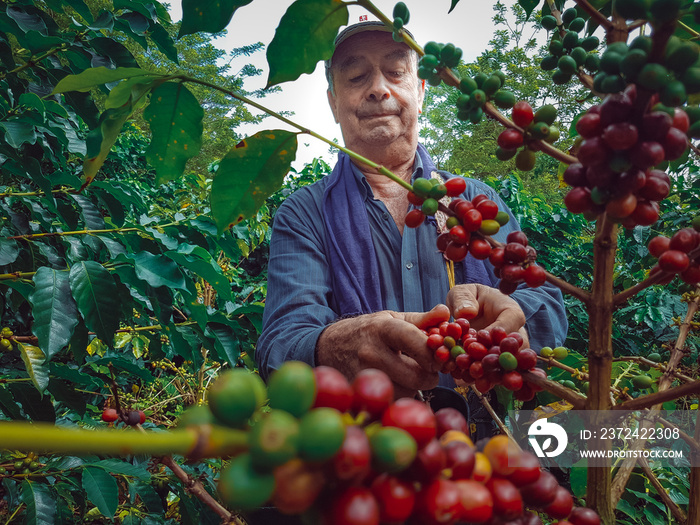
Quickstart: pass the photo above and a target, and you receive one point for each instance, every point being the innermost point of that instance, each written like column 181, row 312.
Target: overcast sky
column 469, row 26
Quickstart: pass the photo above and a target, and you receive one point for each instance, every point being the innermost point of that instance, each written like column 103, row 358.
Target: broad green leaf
column 210, row 16
column 203, row 265
column 95, row 293
column 102, row 490
column 65, row 392
column 9, row 250
column 304, row 36
column 8, row 405
column 101, row 139
column 164, row 42
column 41, row 505
column 54, row 310
column 147, row 10
column 36, row 406
column 119, row 466
column 253, row 170
column 158, row 270
column 34, row 359
column 97, row 76
column 116, row 52
column 18, row 132
column 226, row 342
column 529, row 6
column 129, row 90
column 175, row 118
column 137, row 22
column 27, row 19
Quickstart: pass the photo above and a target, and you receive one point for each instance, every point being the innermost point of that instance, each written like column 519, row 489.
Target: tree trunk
column 600, row 354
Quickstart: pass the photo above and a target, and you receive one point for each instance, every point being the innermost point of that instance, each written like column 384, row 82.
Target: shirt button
column 409, row 265
column 385, row 216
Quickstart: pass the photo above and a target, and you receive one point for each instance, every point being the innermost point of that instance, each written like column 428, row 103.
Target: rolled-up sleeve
column 298, row 305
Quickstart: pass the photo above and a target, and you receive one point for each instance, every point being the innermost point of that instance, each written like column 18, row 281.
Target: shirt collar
column 366, row 189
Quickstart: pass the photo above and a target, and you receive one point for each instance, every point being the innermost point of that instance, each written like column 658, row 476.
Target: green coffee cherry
column 548, row 22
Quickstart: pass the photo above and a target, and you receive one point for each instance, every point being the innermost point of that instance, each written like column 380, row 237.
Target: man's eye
column 358, row 78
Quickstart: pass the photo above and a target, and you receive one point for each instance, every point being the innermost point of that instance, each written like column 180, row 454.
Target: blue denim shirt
column 412, row 274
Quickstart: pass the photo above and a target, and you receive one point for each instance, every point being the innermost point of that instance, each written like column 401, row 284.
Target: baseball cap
column 360, row 27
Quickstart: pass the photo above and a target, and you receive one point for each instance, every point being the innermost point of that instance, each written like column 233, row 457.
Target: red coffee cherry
column 373, row 392
column 414, row 417
column 522, row 114
column 332, row 389
column 109, row 415
column 674, row 261
column 510, row 139
column 659, row 245
column 455, row 186
column 396, row 498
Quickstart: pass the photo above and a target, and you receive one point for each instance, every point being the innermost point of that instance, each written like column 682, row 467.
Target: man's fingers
column 424, row 320
column 463, row 302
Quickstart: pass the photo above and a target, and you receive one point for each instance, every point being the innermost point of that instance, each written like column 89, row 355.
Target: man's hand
column 390, row 341
column 486, row 307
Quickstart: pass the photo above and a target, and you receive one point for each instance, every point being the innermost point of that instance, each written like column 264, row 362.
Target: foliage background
column 127, row 287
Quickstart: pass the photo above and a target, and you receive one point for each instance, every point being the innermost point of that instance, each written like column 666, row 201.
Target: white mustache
column 376, row 111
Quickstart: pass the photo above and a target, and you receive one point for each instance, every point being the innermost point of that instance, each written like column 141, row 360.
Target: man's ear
column 331, row 103
column 421, row 95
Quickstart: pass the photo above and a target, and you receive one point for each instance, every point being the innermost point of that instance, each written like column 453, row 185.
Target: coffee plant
column 127, row 289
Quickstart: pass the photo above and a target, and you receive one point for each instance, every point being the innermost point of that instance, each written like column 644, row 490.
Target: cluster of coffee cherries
column 346, row 453
column 401, row 17
column 514, row 263
column 485, row 358
column 6, row 339
column 679, row 254
column 568, row 51
column 615, row 172
column 128, row 417
column 523, row 144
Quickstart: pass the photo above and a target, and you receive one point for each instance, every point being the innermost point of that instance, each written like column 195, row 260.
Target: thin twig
column 485, row 402
column 675, row 509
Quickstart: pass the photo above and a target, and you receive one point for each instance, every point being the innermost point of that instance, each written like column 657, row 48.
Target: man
column 348, row 284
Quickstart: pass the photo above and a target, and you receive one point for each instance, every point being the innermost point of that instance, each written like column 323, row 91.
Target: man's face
column 377, row 94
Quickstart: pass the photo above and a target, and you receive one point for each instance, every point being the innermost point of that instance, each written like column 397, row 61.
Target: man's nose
column 378, row 88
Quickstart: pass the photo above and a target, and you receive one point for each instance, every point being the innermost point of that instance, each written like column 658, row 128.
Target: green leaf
column 34, row 359
column 210, row 16
column 17, row 132
column 95, row 293
column 248, row 174
column 98, row 76
column 36, row 406
column 27, row 20
column 529, row 6
column 201, row 262
column 41, row 505
column 164, row 42
column 119, row 466
column 65, row 392
column 226, row 342
column 8, row 405
column 9, row 250
column 101, row 139
column 453, row 5
column 158, row 270
column 175, row 118
column 304, row 36
column 54, row 310
column 102, row 490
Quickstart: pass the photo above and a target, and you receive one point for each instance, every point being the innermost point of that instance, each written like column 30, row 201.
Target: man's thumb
column 430, row 318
